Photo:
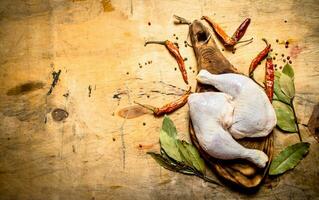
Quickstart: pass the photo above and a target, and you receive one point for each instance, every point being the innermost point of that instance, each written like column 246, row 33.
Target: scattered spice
column 290, row 62
column 170, row 107
column 274, row 58
column 127, row 73
column 113, row 139
column 144, row 124
column 282, row 55
column 176, row 38
column 284, row 60
column 173, row 49
column 148, row 96
column 262, row 55
column 288, row 57
column 285, row 21
column 185, row 59
column 149, row 23
column 277, row 40
column 175, row 68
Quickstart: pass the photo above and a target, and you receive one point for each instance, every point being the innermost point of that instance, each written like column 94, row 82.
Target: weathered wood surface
column 94, row 153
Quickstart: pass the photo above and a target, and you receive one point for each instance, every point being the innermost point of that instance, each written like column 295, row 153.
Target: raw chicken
column 212, row 114
column 253, row 115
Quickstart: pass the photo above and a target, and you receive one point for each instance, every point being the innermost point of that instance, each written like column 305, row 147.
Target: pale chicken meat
column 212, row 114
column 254, row 116
column 240, row 110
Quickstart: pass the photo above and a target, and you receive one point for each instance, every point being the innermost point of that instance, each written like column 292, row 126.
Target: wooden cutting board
column 209, row 57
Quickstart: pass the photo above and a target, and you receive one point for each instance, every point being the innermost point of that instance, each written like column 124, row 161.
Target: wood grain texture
column 94, row 153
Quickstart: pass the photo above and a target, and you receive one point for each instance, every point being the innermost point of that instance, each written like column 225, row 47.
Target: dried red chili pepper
column 170, row 107
column 262, row 55
column 269, row 78
column 227, row 40
column 173, row 49
column 241, row 30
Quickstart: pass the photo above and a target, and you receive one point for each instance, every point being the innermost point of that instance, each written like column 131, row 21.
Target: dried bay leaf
column 285, row 116
column 191, row 156
column 288, row 70
column 287, row 85
column 169, row 145
column 278, row 93
column 169, row 127
column 169, row 165
column 288, row 158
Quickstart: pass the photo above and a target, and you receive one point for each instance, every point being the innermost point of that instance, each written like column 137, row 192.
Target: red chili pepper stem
column 263, row 39
column 151, row 108
column 249, row 40
column 155, row 42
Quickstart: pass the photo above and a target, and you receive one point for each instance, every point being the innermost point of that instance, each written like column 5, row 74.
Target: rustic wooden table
column 94, row 153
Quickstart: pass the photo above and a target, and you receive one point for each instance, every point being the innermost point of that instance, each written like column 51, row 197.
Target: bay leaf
column 169, row 127
column 288, row 158
column 278, row 94
column 287, row 85
column 169, row 165
column 288, row 70
column 285, row 116
column 169, row 145
column 191, row 156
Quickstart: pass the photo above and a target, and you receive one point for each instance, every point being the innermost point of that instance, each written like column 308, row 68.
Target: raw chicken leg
column 211, row 114
column 253, row 115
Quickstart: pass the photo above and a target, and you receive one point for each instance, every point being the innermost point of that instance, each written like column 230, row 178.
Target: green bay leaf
column 170, row 165
column 288, row 70
column 278, row 94
column 169, row 127
column 191, row 156
column 288, row 158
column 285, row 116
column 287, row 85
column 169, row 145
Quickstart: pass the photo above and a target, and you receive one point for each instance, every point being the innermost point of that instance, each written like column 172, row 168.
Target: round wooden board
column 239, row 172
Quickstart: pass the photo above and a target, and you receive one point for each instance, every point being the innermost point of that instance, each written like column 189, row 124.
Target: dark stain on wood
column 25, row 88
column 107, row 5
column 132, row 112
column 59, row 114
column 55, row 76
column 90, row 90
column 313, row 124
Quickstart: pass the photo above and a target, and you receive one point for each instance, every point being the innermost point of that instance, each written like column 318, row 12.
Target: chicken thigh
column 212, row 115
column 253, row 116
